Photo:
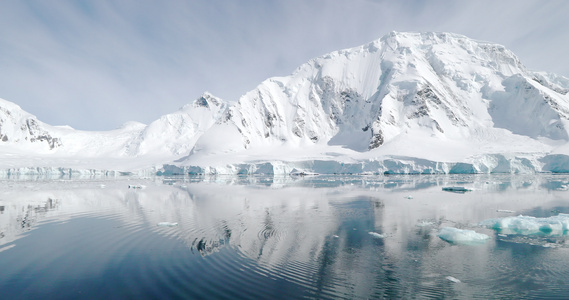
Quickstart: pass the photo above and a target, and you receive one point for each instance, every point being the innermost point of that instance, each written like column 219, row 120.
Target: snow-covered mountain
column 406, row 103
column 175, row 134
column 361, row 98
column 440, row 97
column 29, row 146
column 18, row 127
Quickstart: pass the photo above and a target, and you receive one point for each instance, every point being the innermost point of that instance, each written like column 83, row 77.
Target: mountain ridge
column 416, row 97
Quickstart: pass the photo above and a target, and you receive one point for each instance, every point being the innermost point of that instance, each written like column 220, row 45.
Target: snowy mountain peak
column 439, row 42
column 131, row 125
column 387, row 96
column 362, row 97
column 207, row 100
column 176, row 133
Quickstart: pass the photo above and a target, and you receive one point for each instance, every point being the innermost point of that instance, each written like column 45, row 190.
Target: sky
column 96, row 64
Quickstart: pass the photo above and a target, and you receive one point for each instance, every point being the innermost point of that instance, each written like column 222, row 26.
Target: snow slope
column 175, row 134
column 406, row 103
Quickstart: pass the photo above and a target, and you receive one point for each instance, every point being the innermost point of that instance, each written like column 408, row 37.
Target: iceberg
column 527, row 225
column 462, row 236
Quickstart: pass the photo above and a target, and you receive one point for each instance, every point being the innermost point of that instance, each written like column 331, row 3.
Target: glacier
column 407, row 103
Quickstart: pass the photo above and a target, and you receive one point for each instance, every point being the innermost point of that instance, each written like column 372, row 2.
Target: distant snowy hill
column 18, row 127
column 28, row 146
column 175, row 134
column 406, row 103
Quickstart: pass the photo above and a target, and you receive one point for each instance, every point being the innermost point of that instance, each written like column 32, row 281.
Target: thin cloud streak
column 97, row 64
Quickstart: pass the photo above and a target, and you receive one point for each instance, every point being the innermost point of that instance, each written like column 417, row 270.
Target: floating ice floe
column 167, row 224
column 377, row 235
column 462, row 236
column 546, row 241
column 456, row 189
column 526, row 225
column 453, row 279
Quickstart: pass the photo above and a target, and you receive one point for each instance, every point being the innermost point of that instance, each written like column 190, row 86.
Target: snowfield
column 414, row 103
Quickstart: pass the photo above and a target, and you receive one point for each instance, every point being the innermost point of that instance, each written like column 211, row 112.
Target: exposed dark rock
column 201, row 102
column 376, row 140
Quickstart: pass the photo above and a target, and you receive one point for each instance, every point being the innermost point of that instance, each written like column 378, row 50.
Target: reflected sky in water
column 253, row 237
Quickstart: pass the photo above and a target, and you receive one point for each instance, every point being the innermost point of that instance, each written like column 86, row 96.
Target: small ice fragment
column 450, row 278
column 462, row 236
column 505, row 211
column 168, row 224
column 296, row 172
column 102, row 186
column 137, row 186
column 409, row 197
column 377, row 235
column 425, row 223
column 336, row 236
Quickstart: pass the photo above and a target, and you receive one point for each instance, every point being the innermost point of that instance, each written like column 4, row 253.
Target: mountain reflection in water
column 247, row 237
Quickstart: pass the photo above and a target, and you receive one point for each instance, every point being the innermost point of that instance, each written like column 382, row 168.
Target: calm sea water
column 355, row 237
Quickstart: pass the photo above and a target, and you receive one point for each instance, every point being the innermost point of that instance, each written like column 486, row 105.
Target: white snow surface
column 407, row 103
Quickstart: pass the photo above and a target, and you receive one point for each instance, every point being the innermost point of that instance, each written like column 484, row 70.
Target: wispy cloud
column 97, row 64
